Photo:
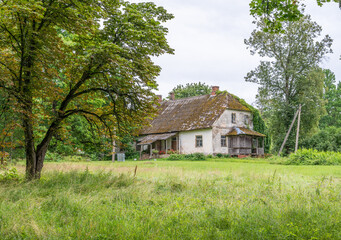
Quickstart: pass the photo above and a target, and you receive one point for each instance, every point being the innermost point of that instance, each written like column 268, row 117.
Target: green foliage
column 327, row 139
column 332, row 97
column 291, row 77
column 275, row 12
column 53, row 157
column 220, row 155
column 191, row 157
column 195, row 157
column 87, row 58
column 313, row 157
column 191, row 90
column 9, row 175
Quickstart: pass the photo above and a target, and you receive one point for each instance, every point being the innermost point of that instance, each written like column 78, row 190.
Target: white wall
column 225, row 120
column 187, row 142
column 224, row 125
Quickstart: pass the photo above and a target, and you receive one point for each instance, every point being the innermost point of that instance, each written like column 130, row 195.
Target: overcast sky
column 208, row 38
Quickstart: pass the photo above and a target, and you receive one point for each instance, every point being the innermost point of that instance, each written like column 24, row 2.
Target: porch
column 158, row 144
column 243, row 141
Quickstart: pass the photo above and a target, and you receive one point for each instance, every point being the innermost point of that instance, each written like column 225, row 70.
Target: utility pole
column 298, row 112
column 298, row 127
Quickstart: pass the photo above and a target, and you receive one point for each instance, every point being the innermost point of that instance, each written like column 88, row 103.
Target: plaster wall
column 187, row 142
column 224, row 125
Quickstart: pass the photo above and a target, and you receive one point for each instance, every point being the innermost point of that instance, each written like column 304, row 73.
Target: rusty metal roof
column 192, row 113
column 236, row 131
column 155, row 137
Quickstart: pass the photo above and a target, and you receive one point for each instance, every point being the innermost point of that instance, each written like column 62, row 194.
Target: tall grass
column 182, row 202
column 313, row 157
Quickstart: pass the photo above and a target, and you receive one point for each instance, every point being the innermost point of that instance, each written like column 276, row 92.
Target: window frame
column 199, row 142
column 223, row 141
column 246, row 119
column 233, row 117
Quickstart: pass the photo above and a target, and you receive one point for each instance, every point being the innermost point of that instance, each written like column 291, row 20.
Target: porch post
column 166, row 146
column 150, row 152
column 141, row 147
column 179, row 144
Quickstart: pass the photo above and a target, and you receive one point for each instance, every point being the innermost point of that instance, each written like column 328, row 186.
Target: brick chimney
column 214, row 89
column 159, row 98
column 171, row 96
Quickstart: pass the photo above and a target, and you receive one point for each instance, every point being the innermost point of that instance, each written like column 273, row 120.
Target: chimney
column 214, row 89
column 171, row 96
column 159, row 98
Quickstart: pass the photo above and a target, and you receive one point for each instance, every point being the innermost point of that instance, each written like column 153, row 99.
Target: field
column 216, row 199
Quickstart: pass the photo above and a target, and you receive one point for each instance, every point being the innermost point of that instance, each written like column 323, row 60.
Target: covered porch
column 243, row 141
column 160, row 143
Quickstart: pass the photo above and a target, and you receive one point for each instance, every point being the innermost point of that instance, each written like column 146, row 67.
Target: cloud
column 208, row 38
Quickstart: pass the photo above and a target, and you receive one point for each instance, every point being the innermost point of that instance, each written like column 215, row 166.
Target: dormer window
column 233, row 117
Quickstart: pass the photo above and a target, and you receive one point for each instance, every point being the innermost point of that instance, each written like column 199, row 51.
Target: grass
column 216, row 199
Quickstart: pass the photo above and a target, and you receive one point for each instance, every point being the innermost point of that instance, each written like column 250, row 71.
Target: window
column 223, row 141
column 233, row 117
column 198, row 141
column 246, row 119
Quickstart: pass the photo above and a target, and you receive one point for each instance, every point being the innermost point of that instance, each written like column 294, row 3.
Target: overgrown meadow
column 215, row 199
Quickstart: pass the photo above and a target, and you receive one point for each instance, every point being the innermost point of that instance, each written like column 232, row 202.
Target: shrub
column 191, row 157
column 313, row 157
column 175, row 157
column 10, row 174
column 53, row 157
column 195, row 157
column 219, row 155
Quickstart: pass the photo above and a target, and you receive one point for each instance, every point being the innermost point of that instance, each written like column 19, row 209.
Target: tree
column 292, row 77
column 332, row 97
column 191, row 90
column 274, row 12
column 58, row 61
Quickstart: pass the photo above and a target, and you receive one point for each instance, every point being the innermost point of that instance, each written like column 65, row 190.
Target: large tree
column 191, row 90
column 58, row 60
column 289, row 76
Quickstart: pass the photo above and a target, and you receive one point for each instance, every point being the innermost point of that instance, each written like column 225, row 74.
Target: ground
column 216, row 199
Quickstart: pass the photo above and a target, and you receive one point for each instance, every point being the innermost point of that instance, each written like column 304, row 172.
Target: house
column 209, row 124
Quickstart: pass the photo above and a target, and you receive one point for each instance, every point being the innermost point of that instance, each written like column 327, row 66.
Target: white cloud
column 208, row 38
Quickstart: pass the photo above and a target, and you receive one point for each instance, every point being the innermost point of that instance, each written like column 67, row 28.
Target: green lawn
column 216, row 199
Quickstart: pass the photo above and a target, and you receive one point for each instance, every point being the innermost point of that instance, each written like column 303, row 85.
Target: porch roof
column 155, row 137
column 244, row 131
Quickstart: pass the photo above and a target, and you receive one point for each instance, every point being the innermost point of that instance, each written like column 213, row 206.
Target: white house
column 209, row 124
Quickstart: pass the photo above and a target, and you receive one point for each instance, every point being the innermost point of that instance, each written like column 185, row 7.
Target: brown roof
column 244, row 131
column 155, row 137
column 192, row 113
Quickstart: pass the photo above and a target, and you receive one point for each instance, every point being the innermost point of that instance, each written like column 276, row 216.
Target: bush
column 10, row 174
column 176, row 157
column 195, row 157
column 191, row 157
column 53, row 157
column 313, row 157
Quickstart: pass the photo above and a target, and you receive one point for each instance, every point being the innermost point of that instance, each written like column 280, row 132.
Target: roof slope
column 192, row 113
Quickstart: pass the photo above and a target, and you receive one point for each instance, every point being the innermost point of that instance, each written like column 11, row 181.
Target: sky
column 208, row 38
